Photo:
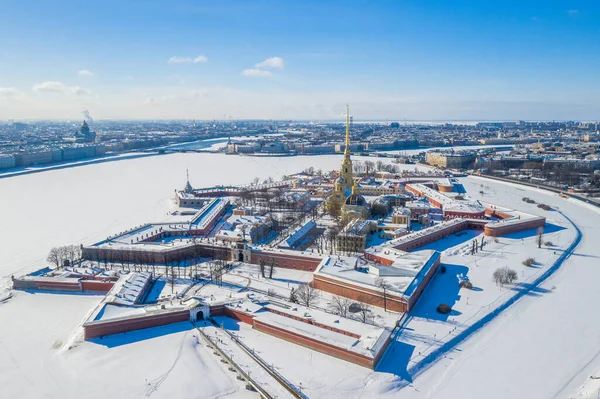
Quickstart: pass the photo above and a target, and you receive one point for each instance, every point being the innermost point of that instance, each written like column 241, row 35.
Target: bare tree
column 504, row 276
column 171, row 273
column 54, row 257
column 540, row 237
column 332, row 234
column 272, row 267
column 293, row 296
column 383, row 285
column 364, row 312
column 339, row 305
column 307, row 295
column 64, row 255
column 79, row 253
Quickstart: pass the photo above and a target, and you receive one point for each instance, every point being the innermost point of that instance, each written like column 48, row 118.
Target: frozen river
column 84, row 204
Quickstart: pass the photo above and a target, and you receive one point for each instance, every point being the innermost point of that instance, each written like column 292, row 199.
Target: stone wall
column 99, row 328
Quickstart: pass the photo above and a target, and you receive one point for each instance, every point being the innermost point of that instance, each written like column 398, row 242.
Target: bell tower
column 346, row 171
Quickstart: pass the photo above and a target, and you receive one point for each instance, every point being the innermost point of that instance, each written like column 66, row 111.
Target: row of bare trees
column 345, row 307
column 369, row 168
column 67, row 255
column 307, row 295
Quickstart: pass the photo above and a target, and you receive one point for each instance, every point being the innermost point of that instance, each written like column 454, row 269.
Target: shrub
column 529, row 262
column 466, row 284
column 443, row 269
column 504, row 275
column 444, row 308
column 549, row 244
column 544, row 207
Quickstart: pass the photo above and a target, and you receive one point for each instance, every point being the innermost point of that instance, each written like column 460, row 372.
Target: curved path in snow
column 541, row 346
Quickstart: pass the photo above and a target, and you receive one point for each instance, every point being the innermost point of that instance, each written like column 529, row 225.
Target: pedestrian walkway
column 245, row 361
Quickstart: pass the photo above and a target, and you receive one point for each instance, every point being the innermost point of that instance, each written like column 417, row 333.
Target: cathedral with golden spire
column 345, row 187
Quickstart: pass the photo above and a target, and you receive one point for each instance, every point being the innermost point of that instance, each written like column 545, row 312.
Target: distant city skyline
column 205, row 60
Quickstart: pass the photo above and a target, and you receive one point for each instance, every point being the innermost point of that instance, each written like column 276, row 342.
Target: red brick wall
column 98, row 329
column 494, row 212
column 472, row 215
column 314, row 344
column 498, row 230
column 286, row 261
column 96, row 286
column 239, row 315
column 26, row 284
column 378, row 259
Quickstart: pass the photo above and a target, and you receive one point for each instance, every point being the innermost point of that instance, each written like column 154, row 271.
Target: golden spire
column 347, row 129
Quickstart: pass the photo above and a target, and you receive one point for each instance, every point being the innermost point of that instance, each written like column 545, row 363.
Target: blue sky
column 419, row 60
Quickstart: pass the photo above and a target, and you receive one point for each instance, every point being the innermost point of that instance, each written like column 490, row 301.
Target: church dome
column 356, row 199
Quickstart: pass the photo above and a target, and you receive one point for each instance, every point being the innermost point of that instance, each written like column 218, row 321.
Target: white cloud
column 271, row 62
column 85, row 72
column 55, row 87
column 79, row 92
column 59, row 87
column 6, row 92
column 179, row 97
column 184, row 60
column 256, row 72
column 573, row 12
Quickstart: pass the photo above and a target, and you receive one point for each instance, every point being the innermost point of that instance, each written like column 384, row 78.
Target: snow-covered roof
column 129, row 289
column 398, row 276
column 298, row 235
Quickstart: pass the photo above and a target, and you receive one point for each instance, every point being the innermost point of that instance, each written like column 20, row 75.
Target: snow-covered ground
column 225, row 342
column 545, row 345
column 320, row 375
column 427, row 331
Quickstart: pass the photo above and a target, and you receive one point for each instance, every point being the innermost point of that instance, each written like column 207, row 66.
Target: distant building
column 456, row 160
column 7, row 161
column 85, row 135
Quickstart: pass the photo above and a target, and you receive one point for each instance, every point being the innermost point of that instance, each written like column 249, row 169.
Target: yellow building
column 354, row 236
column 401, row 216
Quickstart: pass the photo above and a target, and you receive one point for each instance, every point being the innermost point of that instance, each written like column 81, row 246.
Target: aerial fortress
column 358, row 240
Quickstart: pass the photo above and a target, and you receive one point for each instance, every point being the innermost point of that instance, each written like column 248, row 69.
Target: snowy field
column 545, row 345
